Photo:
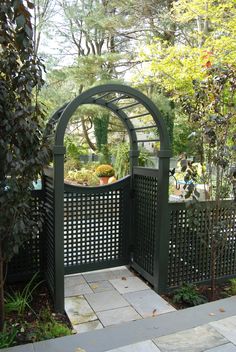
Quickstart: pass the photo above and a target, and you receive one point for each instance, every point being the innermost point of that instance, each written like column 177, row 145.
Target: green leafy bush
column 49, row 330
column 83, row 177
column 188, row 294
column 232, row 289
column 105, row 170
column 71, row 165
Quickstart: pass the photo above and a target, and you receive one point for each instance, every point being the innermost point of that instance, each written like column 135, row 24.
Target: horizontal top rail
column 211, row 204
column 147, row 140
column 145, row 171
column 143, row 128
column 140, row 115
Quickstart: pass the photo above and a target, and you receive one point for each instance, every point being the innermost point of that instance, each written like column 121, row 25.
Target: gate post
column 58, row 157
column 161, row 233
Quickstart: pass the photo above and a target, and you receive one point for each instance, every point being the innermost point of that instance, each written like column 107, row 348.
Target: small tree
column 212, row 111
column 23, row 150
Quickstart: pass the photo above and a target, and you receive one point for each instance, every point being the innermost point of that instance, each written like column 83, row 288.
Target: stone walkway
column 210, row 327
column 108, row 297
column 219, row 336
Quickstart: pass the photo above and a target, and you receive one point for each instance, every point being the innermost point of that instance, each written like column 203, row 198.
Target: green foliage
column 73, row 151
column 122, row 159
column 51, row 330
column 46, row 327
column 23, row 149
column 18, row 302
column 209, row 38
column 144, row 158
column 213, row 114
column 84, row 177
column 167, row 110
column 101, row 130
column 104, row 155
column 105, row 171
column 188, row 294
column 71, row 165
column 121, row 164
column 232, row 288
column 7, row 336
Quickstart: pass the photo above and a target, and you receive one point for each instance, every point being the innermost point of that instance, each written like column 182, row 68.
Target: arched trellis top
column 129, row 105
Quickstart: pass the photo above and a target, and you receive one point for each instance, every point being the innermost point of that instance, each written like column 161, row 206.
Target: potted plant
column 104, row 172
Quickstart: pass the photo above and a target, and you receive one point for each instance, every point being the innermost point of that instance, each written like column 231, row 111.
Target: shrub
column 188, row 294
column 83, row 177
column 71, row 164
column 232, row 289
column 105, row 171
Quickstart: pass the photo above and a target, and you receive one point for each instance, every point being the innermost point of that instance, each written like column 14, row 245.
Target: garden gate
column 88, row 228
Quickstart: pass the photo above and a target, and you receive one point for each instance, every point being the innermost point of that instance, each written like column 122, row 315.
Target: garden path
column 107, row 297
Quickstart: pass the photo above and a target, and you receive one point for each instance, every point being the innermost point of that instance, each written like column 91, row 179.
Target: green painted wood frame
column 61, row 119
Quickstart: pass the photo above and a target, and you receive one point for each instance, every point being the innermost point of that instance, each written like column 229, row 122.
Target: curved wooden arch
column 61, row 119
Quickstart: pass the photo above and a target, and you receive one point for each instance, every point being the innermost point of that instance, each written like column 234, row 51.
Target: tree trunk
column 90, row 143
column 1, row 290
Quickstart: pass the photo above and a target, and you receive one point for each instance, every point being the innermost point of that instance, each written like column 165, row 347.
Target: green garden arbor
column 144, row 194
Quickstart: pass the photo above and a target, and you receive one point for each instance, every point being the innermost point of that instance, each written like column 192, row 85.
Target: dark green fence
column 190, row 242
column 29, row 260
column 86, row 216
column 145, row 184
column 96, row 226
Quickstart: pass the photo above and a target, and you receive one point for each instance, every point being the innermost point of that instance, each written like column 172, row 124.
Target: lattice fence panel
column 190, row 242
column 146, row 193
column 27, row 262
column 49, row 243
column 95, row 226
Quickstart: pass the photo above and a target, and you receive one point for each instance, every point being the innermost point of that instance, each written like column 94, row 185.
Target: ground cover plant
column 30, row 316
column 189, row 295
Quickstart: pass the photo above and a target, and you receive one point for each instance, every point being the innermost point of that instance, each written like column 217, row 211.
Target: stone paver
column 148, row 303
column 108, row 274
column 145, row 346
column 106, row 300
column 117, row 316
column 99, row 276
column 101, row 286
column 118, row 273
column 195, row 340
column 78, row 310
column 229, row 347
column 91, row 325
column 74, row 279
column 129, row 284
column 77, row 289
column 226, row 327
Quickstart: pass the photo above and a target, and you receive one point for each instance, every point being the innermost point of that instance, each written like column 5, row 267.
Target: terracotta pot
column 104, row 180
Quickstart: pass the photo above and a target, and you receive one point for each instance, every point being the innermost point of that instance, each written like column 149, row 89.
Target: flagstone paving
column 109, row 297
column 196, row 329
column 195, row 340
